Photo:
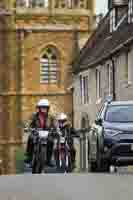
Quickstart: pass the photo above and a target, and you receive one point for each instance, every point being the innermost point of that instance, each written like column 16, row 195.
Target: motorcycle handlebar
column 53, row 132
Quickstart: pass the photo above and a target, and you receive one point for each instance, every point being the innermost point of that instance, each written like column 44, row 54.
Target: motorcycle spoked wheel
column 42, row 159
column 34, row 165
column 62, row 165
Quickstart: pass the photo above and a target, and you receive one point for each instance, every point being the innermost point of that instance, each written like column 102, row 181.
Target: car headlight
column 111, row 132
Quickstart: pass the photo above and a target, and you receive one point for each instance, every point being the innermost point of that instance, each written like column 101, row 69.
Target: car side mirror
column 99, row 122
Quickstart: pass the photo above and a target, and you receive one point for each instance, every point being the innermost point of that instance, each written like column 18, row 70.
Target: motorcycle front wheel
column 42, row 159
column 34, row 165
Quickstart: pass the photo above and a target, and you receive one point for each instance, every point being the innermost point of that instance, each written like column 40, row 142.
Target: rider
column 41, row 119
column 66, row 129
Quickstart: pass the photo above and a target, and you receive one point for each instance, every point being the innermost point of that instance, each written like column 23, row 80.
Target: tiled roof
column 103, row 44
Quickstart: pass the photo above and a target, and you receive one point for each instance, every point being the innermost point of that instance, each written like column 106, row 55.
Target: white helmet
column 43, row 103
column 62, row 116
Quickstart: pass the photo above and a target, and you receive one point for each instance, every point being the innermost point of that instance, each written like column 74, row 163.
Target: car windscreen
column 119, row 113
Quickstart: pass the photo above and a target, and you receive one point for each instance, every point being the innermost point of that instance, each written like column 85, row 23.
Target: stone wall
column 10, row 111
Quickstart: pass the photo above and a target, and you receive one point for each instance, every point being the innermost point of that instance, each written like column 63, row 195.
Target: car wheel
column 106, row 166
column 99, row 159
column 102, row 165
column 92, row 167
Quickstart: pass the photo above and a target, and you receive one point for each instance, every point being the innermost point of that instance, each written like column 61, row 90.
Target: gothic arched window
column 49, row 65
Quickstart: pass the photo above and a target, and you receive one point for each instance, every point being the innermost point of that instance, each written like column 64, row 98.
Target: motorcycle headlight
column 111, row 132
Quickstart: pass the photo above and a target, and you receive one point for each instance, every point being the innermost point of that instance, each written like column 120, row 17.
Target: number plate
column 62, row 140
column 43, row 134
column 131, row 147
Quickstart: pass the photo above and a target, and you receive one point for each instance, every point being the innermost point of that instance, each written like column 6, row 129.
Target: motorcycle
column 39, row 156
column 63, row 156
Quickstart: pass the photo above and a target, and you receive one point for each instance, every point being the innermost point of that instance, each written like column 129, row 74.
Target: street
column 66, row 187
column 119, row 170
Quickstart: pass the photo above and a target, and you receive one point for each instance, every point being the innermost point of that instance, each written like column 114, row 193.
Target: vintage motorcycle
column 39, row 156
column 63, row 156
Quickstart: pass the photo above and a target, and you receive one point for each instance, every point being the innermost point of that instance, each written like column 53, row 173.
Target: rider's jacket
column 35, row 121
column 68, row 132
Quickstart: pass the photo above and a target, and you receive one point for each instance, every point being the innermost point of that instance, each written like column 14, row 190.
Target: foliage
column 20, row 157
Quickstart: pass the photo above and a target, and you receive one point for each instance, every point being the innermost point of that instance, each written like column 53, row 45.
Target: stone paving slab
column 66, row 187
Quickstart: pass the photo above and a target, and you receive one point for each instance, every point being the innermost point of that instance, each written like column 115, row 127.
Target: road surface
column 66, row 187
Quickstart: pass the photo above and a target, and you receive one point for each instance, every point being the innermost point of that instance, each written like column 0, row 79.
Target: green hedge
column 20, row 156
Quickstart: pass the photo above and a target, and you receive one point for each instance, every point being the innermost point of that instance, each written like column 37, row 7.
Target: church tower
column 47, row 30
column 41, row 49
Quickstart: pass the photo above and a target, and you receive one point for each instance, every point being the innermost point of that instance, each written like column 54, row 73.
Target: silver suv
column 111, row 136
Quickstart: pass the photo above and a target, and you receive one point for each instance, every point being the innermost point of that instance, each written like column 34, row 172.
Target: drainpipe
column 113, row 72
column 72, row 107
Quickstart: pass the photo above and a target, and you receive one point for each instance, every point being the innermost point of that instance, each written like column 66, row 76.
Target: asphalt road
column 66, row 187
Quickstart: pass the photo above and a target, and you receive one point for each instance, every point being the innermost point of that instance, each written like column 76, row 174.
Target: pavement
column 48, row 170
column 66, row 187
column 51, row 170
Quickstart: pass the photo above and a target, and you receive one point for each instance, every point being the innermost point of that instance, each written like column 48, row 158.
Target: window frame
column 33, row 4
column 130, row 11
column 81, row 89
column 84, row 89
column 129, row 67
column 122, row 105
column 98, row 84
column 50, row 75
column 109, row 74
column 114, row 19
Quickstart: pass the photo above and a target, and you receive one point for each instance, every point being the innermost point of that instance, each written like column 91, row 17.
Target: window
column 69, row 3
column 39, row 3
column 113, row 19
column 128, row 67
column 81, row 86
column 130, row 11
column 84, row 89
column 75, row 3
column 32, row 3
column 119, row 114
column 98, row 83
column 49, row 66
column 109, row 73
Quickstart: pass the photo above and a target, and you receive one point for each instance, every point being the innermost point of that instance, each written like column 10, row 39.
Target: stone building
column 38, row 40
column 48, row 36
column 105, row 64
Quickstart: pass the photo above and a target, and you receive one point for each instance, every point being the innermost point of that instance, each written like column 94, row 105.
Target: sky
column 101, row 6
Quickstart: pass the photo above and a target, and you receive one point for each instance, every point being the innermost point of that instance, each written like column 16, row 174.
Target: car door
column 100, row 128
column 96, row 136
